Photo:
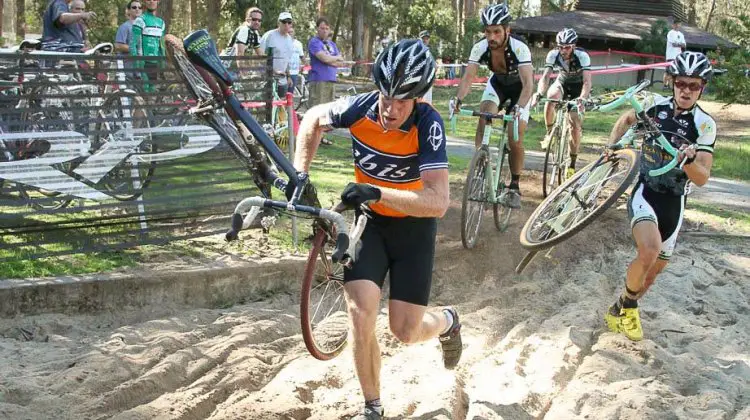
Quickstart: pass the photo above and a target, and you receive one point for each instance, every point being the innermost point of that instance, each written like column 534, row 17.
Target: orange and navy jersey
column 390, row 158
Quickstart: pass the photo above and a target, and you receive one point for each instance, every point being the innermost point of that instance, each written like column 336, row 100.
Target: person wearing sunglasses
column 148, row 41
column 573, row 82
column 657, row 204
column 247, row 35
column 125, row 32
column 280, row 44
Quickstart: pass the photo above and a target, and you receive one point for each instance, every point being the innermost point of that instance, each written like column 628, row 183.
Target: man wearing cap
column 279, row 44
column 424, row 36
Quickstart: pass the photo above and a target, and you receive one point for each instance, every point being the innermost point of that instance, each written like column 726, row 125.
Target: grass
column 719, row 218
column 732, row 158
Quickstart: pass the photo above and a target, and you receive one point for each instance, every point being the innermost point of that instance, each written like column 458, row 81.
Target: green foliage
column 737, row 30
column 734, row 85
column 654, row 41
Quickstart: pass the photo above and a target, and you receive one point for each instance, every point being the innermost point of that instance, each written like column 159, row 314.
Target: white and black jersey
column 516, row 54
column 689, row 127
column 242, row 35
column 568, row 71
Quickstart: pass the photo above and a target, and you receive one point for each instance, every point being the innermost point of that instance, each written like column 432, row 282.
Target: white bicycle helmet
column 496, row 14
column 691, row 64
column 404, row 70
column 567, row 36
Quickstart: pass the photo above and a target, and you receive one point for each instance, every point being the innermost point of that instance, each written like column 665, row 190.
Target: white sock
column 449, row 318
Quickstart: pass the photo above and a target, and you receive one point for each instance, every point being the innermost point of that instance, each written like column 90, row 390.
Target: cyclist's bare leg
column 363, row 302
column 648, row 244
column 412, row 323
column 576, row 131
column 657, row 268
column 554, row 92
column 485, row 106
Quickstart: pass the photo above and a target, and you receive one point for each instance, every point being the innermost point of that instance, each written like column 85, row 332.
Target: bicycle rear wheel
column 475, row 195
column 581, row 199
column 500, row 211
column 551, row 176
column 323, row 315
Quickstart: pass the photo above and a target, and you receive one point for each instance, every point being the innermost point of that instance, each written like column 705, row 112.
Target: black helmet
column 496, row 14
column 404, row 70
column 691, row 64
column 567, row 36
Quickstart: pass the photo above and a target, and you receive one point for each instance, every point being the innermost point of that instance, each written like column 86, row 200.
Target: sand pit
column 535, row 346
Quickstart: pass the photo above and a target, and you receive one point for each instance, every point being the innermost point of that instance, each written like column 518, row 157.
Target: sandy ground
column 535, row 345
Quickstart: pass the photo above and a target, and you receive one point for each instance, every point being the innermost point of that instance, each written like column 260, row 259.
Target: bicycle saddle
column 201, row 49
column 103, row 48
column 30, row 44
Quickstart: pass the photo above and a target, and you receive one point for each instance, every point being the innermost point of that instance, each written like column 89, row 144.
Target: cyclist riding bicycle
column 401, row 173
column 513, row 80
column 657, row 204
column 573, row 82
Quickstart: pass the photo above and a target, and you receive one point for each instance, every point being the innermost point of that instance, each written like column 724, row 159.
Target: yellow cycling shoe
column 569, row 173
column 630, row 324
column 613, row 322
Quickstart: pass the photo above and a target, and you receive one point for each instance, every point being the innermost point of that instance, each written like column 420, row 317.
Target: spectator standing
column 325, row 58
column 278, row 43
column 247, row 35
column 425, row 37
column 675, row 45
column 148, row 41
column 61, row 26
column 296, row 61
column 125, row 31
column 78, row 6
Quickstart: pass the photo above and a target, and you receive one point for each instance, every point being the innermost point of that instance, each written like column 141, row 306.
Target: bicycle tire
column 119, row 181
column 525, row 261
column 472, row 205
column 501, row 213
column 325, row 338
column 540, row 216
column 280, row 127
column 550, row 164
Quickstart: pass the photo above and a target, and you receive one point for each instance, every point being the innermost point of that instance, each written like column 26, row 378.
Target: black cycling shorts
column 500, row 92
column 666, row 210
column 403, row 246
column 571, row 90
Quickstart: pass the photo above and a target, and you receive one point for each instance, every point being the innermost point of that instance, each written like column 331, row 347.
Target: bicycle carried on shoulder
column 486, row 181
column 323, row 314
column 591, row 191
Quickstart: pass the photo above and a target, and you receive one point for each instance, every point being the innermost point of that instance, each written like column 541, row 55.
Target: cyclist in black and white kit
column 573, row 82
column 513, row 81
column 246, row 35
column 657, row 204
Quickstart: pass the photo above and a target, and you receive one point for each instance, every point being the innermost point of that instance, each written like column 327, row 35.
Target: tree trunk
column 321, row 7
column 692, row 15
column 469, row 6
column 710, row 15
column 20, row 19
column 213, row 10
column 2, row 7
column 339, row 16
column 369, row 36
column 358, row 32
column 166, row 12
column 461, row 21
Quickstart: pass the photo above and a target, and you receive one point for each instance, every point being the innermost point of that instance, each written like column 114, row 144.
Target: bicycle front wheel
column 500, row 211
column 475, row 195
column 581, row 199
column 552, row 176
column 323, row 315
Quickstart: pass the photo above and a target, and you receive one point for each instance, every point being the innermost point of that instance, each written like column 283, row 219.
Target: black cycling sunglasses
column 287, row 21
column 136, row 7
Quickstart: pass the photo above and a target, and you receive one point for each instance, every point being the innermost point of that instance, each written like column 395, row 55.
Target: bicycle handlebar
column 629, row 96
column 490, row 116
column 342, row 238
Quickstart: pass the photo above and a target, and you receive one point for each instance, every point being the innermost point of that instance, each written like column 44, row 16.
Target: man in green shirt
column 148, row 41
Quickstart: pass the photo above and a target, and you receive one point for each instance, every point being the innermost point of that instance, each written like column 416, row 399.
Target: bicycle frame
column 630, row 97
column 495, row 177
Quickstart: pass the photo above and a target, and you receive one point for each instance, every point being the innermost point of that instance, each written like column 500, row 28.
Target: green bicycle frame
column 629, row 96
column 495, row 177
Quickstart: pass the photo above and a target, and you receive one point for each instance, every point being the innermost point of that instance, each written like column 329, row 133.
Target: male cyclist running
column 401, row 173
column 573, row 82
column 513, row 81
column 657, row 204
